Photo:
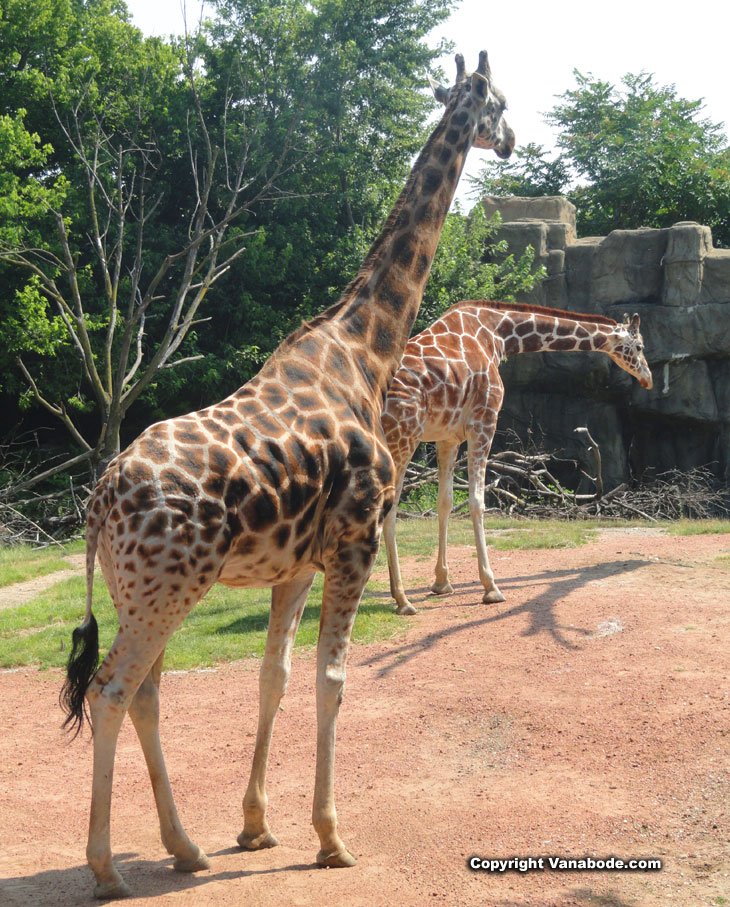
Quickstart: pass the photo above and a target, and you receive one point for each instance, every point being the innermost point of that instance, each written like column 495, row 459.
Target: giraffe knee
column 274, row 677
column 146, row 702
column 108, row 695
column 476, row 504
column 332, row 686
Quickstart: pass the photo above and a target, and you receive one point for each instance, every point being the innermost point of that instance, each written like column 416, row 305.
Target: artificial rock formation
column 680, row 285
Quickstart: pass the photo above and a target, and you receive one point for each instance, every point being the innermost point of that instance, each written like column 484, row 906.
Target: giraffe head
column 628, row 351
column 477, row 88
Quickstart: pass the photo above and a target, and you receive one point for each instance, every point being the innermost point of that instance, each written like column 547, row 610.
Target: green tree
column 469, row 264
column 628, row 156
column 347, row 78
column 169, row 211
column 121, row 226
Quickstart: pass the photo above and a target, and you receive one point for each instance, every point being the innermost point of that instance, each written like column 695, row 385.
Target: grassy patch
column 419, row 538
column 21, row 562
column 232, row 624
column 227, row 625
column 543, row 535
column 696, row 527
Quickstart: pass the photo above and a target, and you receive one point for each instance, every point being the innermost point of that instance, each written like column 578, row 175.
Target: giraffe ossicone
column 449, row 390
column 289, row 475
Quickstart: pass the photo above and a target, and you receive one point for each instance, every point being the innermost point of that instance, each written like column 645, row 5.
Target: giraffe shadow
column 73, row 887
column 259, row 622
column 539, row 608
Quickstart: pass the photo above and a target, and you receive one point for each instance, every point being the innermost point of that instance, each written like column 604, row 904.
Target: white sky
column 534, row 45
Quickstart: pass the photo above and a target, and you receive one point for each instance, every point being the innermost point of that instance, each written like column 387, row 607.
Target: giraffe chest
column 452, row 407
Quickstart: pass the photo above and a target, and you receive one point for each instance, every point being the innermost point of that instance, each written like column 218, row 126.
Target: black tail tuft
column 82, row 665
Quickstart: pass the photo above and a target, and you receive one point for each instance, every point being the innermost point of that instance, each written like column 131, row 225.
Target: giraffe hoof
column 257, row 842
column 406, row 608
column 193, row 863
column 339, row 859
column 110, row 890
column 442, row 588
column 493, row 597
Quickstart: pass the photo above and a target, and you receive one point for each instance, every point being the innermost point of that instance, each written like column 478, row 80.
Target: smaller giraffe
column 448, row 389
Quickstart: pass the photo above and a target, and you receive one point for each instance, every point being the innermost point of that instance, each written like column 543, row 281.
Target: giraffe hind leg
column 109, row 695
column 131, row 662
column 446, row 452
column 397, row 590
column 144, row 710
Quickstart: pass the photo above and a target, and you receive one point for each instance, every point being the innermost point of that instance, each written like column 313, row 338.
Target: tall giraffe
column 287, row 476
column 449, row 390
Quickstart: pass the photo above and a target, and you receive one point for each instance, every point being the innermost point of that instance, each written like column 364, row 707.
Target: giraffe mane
column 536, row 310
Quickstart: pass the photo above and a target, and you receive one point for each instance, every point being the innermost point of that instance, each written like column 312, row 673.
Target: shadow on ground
column 540, row 608
column 146, row 878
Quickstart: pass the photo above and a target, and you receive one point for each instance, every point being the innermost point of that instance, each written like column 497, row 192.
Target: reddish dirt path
column 588, row 714
column 19, row 593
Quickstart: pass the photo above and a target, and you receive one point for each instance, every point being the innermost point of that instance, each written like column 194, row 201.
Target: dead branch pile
column 522, row 482
column 43, row 520
column 38, row 518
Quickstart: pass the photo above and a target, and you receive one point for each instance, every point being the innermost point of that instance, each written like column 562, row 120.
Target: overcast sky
column 534, row 46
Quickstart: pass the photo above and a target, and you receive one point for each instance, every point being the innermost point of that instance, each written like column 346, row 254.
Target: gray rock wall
column 680, row 285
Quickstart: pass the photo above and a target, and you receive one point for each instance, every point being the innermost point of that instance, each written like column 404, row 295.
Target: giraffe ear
column 439, row 92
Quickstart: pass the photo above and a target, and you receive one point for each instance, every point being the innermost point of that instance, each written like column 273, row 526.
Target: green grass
column 227, row 625
column 419, row 538
column 543, row 535
column 231, row 624
column 696, row 527
column 21, row 562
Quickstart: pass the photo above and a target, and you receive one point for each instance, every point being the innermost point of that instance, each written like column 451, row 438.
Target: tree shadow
column 73, row 886
column 577, row 895
column 539, row 609
column 605, row 899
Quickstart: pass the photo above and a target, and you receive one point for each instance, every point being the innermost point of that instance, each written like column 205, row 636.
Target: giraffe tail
column 83, row 660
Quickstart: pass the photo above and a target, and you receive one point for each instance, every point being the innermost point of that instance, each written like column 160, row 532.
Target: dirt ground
column 588, row 715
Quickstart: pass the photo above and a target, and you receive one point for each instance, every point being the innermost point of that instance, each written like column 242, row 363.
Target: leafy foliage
column 629, row 156
column 469, row 265
column 243, row 169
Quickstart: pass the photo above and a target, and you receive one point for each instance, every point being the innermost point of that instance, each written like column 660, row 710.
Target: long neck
column 531, row 332
column 375, row 316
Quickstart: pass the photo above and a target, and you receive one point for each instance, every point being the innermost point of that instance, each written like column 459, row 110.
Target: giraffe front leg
column 144, row 711
column 287, row 605
column 446, row 453
column 340, row 601
column 478, row 455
